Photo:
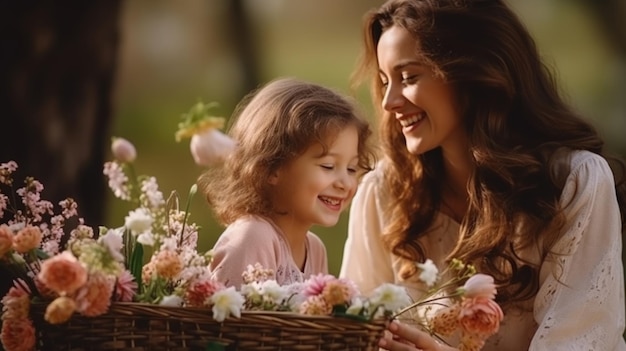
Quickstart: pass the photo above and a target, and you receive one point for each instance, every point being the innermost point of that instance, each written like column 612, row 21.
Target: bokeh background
column 74, row 75
column 174, row 53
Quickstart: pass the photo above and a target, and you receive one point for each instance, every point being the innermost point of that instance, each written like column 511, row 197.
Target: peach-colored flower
column 6, row 239
column 125, row 287
column 27, row 238
column 336, row 293
column 147, row 271
column 18, row 334
column 63, row 273
column 471, row 342
column 315, row 306
column 168, row 264
column 480, row 285
column 200, row 291
column 60, row 310
column 446, row 320
column 481, row 316
column 94, row 298
column 16, row 303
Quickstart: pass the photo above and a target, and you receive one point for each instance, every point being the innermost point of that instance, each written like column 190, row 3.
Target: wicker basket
column 145, row 327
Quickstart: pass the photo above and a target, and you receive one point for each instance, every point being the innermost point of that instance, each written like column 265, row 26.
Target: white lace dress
column 584, row 310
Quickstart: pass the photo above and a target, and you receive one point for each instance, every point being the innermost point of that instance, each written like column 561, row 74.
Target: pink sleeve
column 243, row 243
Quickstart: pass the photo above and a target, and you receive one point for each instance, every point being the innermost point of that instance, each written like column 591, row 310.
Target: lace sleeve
column 580, row 305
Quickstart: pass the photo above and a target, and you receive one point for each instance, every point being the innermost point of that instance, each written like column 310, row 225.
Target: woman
column 485, row 162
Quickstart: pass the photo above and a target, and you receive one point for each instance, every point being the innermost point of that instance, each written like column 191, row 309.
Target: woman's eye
column 409, row 79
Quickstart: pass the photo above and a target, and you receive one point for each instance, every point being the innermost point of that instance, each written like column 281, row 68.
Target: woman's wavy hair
column 272, row 126
column 517, row 122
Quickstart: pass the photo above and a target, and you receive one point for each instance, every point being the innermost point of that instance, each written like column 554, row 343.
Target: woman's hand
column 403, row 337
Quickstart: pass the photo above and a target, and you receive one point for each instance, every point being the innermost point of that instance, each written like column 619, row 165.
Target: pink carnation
column 16, row 303
column 125, row 287
column 18, row 334
column 480, row 316
column 94, row 298
column 316, row 283
column 200, row 291
column 6, row 239
column 63, row 273
column 28, row 238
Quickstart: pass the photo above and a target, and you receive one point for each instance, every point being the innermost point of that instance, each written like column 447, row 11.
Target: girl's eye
column 329, row 167
column 352, row 170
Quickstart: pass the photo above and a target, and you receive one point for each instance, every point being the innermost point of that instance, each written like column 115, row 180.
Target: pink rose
column 480, row 285
column 6, row 239
column 63, row 273
column 28, row 238
column 18, row 334
column 94, row 298
column 481, row 316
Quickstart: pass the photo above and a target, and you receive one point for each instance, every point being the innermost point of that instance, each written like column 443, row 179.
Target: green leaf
column 215, row 346
column 136, row 264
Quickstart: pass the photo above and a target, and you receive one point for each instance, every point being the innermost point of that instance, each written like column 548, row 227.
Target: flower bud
column 211, row 147
column 60, row 310
column 123, row 150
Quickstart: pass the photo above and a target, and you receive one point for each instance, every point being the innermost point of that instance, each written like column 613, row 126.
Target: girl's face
column 316, row 187
column 421, row 102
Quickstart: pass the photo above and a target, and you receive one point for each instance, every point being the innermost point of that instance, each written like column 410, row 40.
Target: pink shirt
column 254, row 239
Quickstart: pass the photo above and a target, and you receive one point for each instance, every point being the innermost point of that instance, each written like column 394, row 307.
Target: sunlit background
column 174, row 53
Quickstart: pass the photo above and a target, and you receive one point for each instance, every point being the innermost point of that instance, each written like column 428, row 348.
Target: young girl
column 485, row 162
column 301, row 148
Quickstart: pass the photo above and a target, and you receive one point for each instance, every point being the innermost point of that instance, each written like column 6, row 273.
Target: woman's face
column 420, row 101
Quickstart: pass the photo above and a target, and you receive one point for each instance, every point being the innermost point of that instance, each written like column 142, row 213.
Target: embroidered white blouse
column 584, row 310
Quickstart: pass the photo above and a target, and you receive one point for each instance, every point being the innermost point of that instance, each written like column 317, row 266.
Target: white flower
column 226, row 302
column 210, row 147
column 114, row 242
column 273, row 292
column 171, row 300
column 123, row 150
column 429, row 273
column 138, row 221
column 355, row 307
column 392, row 297
column 146, row 238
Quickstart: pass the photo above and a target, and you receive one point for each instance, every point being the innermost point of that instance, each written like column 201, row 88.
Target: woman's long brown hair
column 517, row 122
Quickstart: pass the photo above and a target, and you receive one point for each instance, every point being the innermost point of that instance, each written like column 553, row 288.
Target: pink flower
column 18, row 334
column 94, row 298
column 125, row 287
column 123, row 150
column 16, row 303
column 60, row 310
column 63, row 273
column 316, row 283
column 28, row 238
column 6, row 239
column 480, row 316
column 168, row 264
column 480, row 285
column 211, row 147
column 200, row 291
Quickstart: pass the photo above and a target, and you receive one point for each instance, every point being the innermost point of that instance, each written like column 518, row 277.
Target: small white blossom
column 226, row 302
column 429, row 272
column 146, row 238
column 171, row 300
column 138, row 221
column 272, row 292
column 392, row 297
column 114, row 242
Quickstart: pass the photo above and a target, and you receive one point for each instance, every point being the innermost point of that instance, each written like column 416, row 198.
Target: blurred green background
column 174, row 53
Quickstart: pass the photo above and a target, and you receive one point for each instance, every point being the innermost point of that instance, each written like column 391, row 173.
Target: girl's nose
column 393, row 99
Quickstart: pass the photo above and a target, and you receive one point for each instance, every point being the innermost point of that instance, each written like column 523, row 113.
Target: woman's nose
column 393, row 99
